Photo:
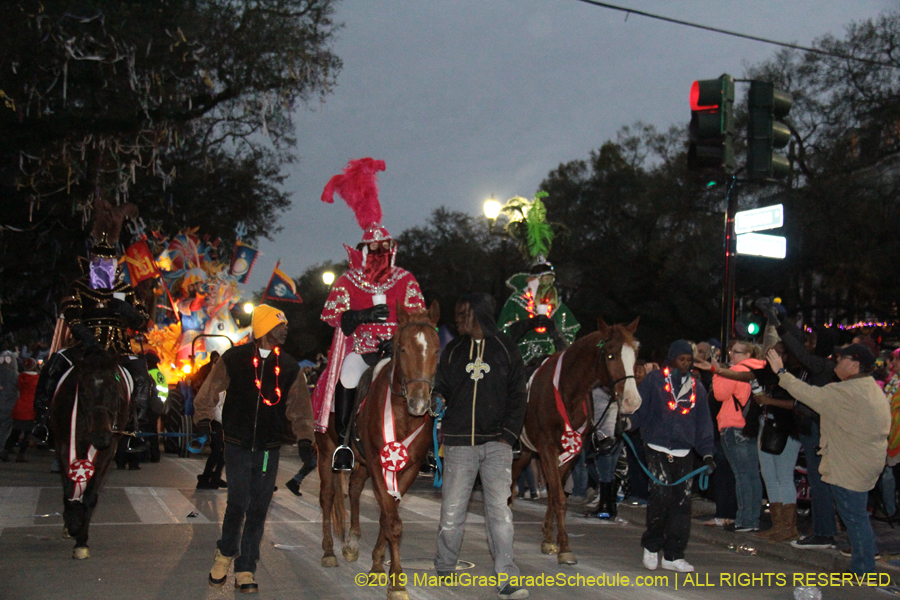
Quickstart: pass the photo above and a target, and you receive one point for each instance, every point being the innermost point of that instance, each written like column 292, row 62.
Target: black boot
column 342, row 460
column 607, row 508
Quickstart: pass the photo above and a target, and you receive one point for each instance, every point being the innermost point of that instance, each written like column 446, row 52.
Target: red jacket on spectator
column 24, row 409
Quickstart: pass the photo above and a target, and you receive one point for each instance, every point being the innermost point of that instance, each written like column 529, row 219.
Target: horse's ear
column 602, row 327
column 632, row 327
column 434, row 312
column 402, row 315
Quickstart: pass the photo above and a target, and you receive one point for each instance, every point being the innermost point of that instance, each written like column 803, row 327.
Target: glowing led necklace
column 674, row 402
column 529, row 298
column 258, row 374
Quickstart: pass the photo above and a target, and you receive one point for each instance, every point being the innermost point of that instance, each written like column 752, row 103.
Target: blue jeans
column 887, row 486
column 249, row 494
column 526, row 481
column 724, row 486
column 778, row 472
column 462, row 464
column 852, row 508
column 603, row 468
column 741, row 453
column 579, row 476
column 819, row 492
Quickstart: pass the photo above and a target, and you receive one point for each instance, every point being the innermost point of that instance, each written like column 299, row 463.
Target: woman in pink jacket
column 739, row 449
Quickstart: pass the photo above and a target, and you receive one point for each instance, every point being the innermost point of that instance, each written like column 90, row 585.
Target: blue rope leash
column 439, row 467
column 200, row 440
column 701, row 472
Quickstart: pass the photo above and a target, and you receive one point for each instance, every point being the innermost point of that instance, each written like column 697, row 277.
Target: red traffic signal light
column 712, row 125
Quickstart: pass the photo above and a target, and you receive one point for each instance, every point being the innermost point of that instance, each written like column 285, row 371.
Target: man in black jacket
column 481, row 377
column 264, row 391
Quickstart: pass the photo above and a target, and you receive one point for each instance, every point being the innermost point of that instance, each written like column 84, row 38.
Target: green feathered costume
column 530, row 290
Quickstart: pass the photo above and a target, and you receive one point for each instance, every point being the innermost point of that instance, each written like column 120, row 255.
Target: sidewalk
column 829, row 560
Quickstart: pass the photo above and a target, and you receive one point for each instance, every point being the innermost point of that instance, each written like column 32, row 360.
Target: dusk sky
column 467, row 98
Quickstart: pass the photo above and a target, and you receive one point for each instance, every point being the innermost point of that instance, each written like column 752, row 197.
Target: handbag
column 774, row 436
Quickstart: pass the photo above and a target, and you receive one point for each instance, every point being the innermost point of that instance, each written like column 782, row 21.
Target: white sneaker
column 593, row 504
column 651, row 560
column 680, row 565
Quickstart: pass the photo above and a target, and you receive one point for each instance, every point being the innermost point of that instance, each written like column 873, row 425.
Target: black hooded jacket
column 485, row 398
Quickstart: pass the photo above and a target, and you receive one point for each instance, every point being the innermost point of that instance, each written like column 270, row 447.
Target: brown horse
column 401, row 389
column 89, row 411
column 605, row 357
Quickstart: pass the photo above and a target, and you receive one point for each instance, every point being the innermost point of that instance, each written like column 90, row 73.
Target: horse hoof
column 351, row 555
column 567, row 558
column 547, row 548
column 81, row 553
column 329, row 561
column 397, row 595
column 375, row 577
column 66, row 535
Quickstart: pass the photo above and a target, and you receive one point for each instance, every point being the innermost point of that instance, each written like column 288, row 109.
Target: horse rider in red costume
column 362, row 305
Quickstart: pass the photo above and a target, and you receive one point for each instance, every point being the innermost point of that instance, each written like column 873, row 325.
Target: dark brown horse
column 605, row 357
column 87, row 417
column 398, row 399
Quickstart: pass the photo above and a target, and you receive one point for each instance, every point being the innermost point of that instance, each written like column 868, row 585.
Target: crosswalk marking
column 163, row 506
column 18, row 505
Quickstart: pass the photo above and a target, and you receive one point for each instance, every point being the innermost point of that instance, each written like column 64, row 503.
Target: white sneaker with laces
column 680, row 565
column 651, row 560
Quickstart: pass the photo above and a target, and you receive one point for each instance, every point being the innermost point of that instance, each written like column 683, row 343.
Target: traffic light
column 712, row 124
column 765, row 131
column 747, row 327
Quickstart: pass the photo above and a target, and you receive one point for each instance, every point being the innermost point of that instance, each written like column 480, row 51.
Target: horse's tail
column 338, row 512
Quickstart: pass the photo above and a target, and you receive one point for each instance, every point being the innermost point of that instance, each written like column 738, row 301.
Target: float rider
column 362, row 304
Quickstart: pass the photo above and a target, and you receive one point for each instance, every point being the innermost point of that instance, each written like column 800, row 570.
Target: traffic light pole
column 730, row 266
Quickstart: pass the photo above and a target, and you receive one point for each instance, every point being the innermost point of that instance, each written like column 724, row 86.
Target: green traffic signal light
column 752, row 328
column 712, row 124
column 766, row 132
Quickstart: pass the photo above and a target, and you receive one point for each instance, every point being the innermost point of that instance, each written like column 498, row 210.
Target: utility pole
column 730, row 265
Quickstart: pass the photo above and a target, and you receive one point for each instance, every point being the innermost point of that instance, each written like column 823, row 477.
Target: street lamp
column 328, row 277
column 492, row 209
column 248, row 308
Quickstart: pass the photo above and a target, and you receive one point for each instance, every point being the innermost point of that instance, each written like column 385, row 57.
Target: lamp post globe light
column 248, row 308
column 492, row 209
column 328, row 277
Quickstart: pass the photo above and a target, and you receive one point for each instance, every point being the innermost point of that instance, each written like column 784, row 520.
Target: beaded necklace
column 258, row 374
column 674, row 402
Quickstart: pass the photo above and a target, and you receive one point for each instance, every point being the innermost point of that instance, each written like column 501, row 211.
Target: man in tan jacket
column 855, row 422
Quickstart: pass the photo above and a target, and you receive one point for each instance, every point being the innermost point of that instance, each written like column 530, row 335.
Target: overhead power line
column 631, row 11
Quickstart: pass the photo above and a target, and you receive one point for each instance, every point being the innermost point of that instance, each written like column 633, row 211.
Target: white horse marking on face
column 423, row 340
column 632, row 399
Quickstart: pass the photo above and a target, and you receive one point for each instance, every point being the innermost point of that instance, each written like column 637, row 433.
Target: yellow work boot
column 243, row 580
column 219, row 571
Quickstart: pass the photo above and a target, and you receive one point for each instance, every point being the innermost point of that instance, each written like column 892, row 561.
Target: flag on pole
column 243, row 261
column 281, row 287
column 141, row 265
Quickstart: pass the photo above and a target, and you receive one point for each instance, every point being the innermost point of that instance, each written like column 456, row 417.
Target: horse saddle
column 362, row 388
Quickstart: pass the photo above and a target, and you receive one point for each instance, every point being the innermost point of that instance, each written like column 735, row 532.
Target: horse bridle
column 403, row 380
column 613, row 395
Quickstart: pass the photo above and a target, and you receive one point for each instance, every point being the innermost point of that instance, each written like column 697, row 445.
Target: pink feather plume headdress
column 358, row 186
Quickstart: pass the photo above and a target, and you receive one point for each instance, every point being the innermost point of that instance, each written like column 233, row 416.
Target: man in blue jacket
column 674, row 419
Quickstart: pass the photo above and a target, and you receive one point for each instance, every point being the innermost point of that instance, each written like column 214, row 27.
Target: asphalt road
column 145, row 544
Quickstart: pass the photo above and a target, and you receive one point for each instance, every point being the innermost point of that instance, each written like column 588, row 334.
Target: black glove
column 305, row 450
column 543, row 321
column 351, row 319
column 203, row 427
column 710, row 463
column 767, row 307
column 83, row 334
column 385, row 349
column 132, row 316
column 622, row 425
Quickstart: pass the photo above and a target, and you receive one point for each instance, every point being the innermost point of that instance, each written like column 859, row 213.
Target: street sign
column 759, row 219
column 759, row 244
